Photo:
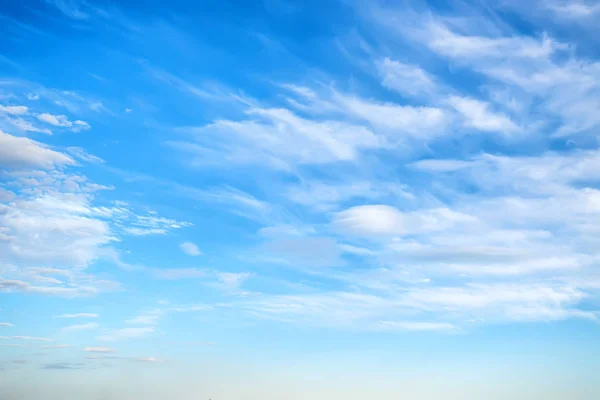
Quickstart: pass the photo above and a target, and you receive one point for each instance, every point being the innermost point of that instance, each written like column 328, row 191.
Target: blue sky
column 294, row 199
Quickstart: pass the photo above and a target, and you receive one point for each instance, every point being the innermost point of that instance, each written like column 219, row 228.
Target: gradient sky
column 287, row 199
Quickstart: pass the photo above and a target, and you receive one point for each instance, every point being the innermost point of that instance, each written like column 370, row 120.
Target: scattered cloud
column 6, row 324
column 190, row 249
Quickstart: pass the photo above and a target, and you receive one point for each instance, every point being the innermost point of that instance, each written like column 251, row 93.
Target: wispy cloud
column 79, row 315
column 125, row 333
column 56, row 346
column 81, row 327
column 100, row 350
column 63, row 366
column 63, row 122
column 144, row 320
column 27, row 338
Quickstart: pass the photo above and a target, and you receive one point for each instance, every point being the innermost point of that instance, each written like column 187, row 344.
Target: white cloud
column 564, row 87
column 19, row 152
column 135, row 231
column 63, row 121
column 99, row 350
column 51, row 219
column 144, row 320
column 71, row 9
column 6, row 324
column 125, row 333
column 477, row 115
column 417, row 326
column 326, row 196
column 63, row 366
column 178, row 273
column 146, row 359
column 151, row 224
column 82, row 155
column 6, row 195
column 419, row 122
column 304, row 251
column 80, row 315
column 11, row 285
column 385, row 220
column 279, row 139
column 406, row 79
column 436, row 165
column 56, row 120
column 475, row 47
column 190, row 249
column 27, row 338
column 233, row 280
column 13, row 110
column 573, row 9
column 81, row 327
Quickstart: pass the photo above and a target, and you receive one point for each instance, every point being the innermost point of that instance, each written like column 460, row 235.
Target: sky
column 285, row 199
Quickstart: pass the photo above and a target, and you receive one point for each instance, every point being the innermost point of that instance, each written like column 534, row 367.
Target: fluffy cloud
column 19, row 152
column 51, row 227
